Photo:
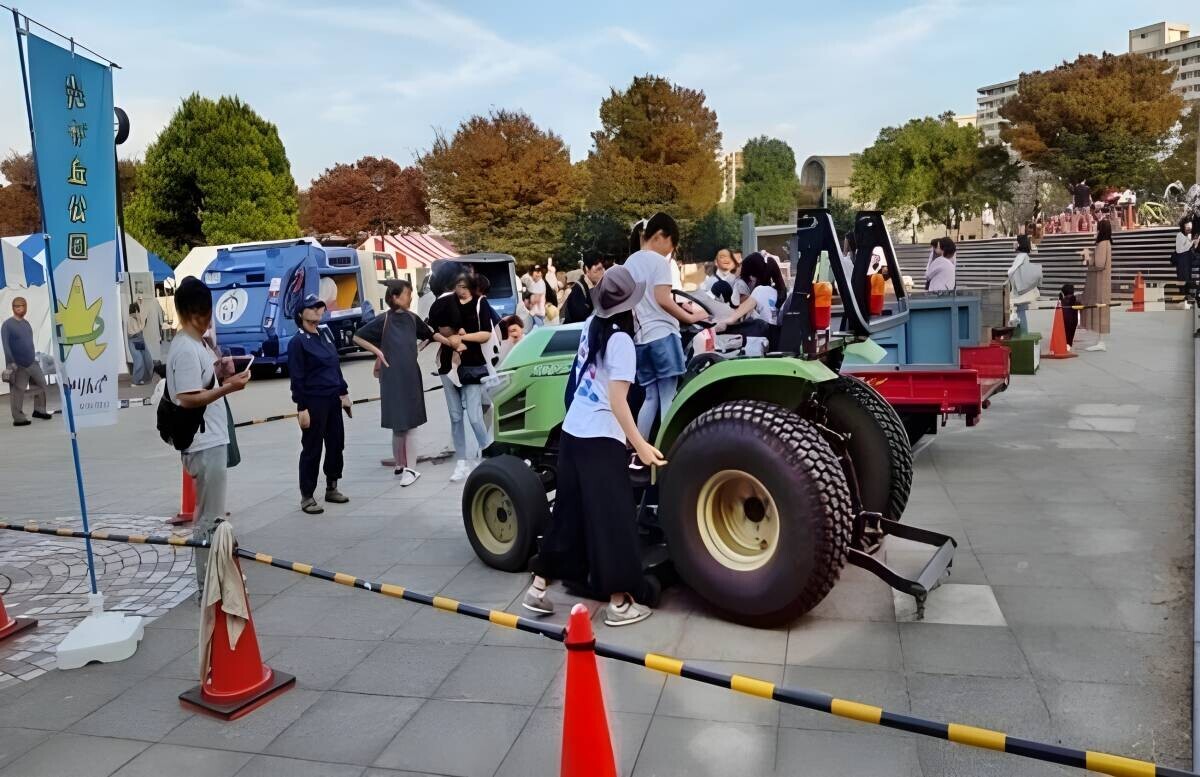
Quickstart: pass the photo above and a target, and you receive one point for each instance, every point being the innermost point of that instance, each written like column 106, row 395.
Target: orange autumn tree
column 373, row 195
column 1104, row 119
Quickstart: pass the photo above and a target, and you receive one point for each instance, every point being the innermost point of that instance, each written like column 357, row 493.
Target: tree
column 127, row 179
column 843, row 213
column 373, row 195
column 933, row 167
column 503, row 184
column 1102, row 119
column 19, row 211
column 715, row 230
column 217, row 173
column 591, row 233
column 656, row 149
column 767, row 182
column 1180, row 164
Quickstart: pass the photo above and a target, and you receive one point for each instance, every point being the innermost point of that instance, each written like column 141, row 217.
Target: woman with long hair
column 592, row 538
column 1098, row 290
column 759, row 293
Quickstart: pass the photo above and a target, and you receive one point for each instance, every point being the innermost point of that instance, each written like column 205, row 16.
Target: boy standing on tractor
column 659, row 347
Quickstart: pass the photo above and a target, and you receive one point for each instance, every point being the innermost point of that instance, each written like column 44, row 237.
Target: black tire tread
column 899, row 447
column 805, row 450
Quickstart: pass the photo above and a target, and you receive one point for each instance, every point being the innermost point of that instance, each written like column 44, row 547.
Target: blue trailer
column 256, row 288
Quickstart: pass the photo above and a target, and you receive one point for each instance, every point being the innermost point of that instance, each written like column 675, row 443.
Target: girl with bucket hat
column 592, row 538
column 320, row 393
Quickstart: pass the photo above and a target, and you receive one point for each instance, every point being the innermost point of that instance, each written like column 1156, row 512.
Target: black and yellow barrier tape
column 987, row 739
column 1079, row 307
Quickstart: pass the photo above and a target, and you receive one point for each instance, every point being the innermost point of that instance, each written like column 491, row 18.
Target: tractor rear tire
column 878, row 444
column 756, row 512
column 504, row 510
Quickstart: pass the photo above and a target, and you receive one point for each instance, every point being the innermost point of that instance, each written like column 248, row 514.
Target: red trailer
column 923, row 394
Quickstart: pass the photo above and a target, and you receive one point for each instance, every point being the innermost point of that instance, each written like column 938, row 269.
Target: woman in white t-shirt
column 759, row 293
column 592, row 537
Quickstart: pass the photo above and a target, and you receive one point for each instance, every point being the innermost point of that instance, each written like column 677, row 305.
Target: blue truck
column 256, row 288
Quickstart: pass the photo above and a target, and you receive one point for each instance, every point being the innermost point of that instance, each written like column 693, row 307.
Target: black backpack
column 178, row 426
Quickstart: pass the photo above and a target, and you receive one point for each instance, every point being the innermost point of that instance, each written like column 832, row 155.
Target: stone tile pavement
column 1071, row 502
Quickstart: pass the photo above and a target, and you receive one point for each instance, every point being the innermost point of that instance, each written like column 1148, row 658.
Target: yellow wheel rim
column 494, row 519
column 738, row 520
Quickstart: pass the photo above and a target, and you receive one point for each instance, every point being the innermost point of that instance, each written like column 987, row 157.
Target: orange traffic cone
column 12, row 626
column 187, row 502
column 586, row 746
column 238, row 681
column 1139, row 295
column 1058, row 338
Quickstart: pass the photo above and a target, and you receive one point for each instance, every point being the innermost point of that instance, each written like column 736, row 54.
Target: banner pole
column 68, row 410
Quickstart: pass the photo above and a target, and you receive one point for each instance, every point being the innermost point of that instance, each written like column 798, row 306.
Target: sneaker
column 461, row 470
column 336, row 497
column 635, row 463
column 22, row 422
column 1097, row 347
column 310, row 506
column 42, row 416
column 537, row 601
column 407, row 476
column 625, row 613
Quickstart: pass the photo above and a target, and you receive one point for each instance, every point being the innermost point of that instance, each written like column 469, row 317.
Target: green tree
column 1102, row 119
column 715, row 230
column 502, row 183
column 933, row 167
column 843, row 213
column 656, row 149
column 767, row 183
column 217, row 173
column 591, row 233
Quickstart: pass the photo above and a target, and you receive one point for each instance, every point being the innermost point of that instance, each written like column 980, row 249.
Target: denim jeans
column 659, row 396
column 468, row 401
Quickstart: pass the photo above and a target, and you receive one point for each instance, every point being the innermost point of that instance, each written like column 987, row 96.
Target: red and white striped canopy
column 411, row 250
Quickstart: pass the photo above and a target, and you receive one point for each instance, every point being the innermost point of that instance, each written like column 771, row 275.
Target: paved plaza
column 1067, row 617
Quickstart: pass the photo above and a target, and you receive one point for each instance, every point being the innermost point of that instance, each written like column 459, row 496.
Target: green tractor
column 780, row 470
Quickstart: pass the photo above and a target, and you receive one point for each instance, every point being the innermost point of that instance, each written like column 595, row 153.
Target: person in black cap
column 392, row 337
column 320, row 392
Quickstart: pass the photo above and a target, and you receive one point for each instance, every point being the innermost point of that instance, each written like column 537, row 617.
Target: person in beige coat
column 1098, row 290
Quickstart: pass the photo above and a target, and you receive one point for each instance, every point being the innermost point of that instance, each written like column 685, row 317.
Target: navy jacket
column 315, row 369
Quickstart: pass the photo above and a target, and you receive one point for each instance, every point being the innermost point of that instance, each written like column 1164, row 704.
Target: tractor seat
column 698, row 364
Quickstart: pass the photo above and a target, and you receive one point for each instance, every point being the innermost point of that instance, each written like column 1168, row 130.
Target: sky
column 344, row 80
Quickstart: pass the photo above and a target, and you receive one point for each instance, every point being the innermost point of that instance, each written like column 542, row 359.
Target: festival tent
column 411, row 251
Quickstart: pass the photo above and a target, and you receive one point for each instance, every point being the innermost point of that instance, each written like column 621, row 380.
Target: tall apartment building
column 731, row 163
column 1168, row 41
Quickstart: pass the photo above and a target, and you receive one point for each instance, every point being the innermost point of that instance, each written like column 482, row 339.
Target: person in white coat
column 1023, row 278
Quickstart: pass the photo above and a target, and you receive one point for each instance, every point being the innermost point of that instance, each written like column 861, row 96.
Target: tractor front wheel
column 504, row 510
column 756, row 512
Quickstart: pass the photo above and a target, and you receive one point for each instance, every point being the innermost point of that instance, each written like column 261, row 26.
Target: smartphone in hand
column 242, row 363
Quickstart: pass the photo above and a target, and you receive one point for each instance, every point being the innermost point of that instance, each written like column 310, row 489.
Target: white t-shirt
column 190, row 367
column 590, row 414
column 766, row 304
column 653, row 269
column 741, row 290
column 537, row 304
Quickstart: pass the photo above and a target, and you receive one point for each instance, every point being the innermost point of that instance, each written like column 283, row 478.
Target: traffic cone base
column 10, row 627
column 275, row 683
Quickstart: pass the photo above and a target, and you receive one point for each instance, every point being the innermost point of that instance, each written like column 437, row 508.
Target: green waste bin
column 1026, row 353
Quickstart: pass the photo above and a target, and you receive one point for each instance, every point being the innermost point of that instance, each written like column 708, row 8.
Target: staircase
column 986, row 262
